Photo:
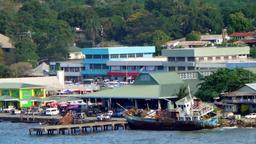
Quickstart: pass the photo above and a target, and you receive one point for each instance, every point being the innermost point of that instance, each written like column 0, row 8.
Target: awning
column 133, row 74
column 8, row 98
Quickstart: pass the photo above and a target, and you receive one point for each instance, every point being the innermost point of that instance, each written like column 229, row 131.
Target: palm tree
column 92, row 25
column 183, row 91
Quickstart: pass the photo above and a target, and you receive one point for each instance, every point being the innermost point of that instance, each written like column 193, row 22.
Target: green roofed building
column 19, row 94
column 147, row 86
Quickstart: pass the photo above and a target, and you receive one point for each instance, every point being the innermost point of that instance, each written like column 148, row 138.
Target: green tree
column 238, row 22
column 253, row 52
column 193, row 36
column 224, row 80
column 53, row 38
column 183, row 92
column 159, row 38
column 1, row 55
column 26, row 51
column 5, row 72
column 20, row 69
column 92, row 25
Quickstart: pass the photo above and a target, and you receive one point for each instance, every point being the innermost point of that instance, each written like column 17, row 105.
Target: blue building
column 95, row 62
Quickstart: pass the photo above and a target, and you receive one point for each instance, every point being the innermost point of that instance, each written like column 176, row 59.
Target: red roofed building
column 243, row 35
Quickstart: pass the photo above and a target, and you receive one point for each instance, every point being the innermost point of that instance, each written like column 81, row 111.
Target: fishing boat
column 189, row 114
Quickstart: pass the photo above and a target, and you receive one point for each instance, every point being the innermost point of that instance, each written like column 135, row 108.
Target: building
column 243, row 35
column 72, row 69
column 189, row 59
column 153, row 89
column 131, row 67
column 243, row 99
column 248, row 38
column 96, row 59
column 50, row 83
column 205, row 40
column 5, row 43
column 19, row 94
column 75, row 53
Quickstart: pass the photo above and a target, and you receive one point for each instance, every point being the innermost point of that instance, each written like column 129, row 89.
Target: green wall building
column 19, row 94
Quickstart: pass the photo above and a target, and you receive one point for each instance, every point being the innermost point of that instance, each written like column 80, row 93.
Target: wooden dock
column 74, row 129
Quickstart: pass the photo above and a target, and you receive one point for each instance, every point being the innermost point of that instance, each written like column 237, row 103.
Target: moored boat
column 189, row 114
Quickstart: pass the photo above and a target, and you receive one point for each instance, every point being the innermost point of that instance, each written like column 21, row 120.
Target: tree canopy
column 50, row 24
column 224, row 80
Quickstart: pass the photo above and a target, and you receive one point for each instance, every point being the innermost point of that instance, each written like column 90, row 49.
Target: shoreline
column 228, row 123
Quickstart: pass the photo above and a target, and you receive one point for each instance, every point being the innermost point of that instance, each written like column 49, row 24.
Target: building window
column 180, row 58
column 114, row 56
column 217, row 58
column 139, row 55
column 191, row 68
column 131, row 55
column 171, row 68
column 97, row 56
column 209, row 58
column 123, row 55
column 66, row 69
column 225, row 57
column 201, row 58
column 123, row 67
column 181, row 68
column 104, row 66
column 160, row 67
column 171, row 59
column 233, row 57
column 97, row 66
column 115, row 68
column 191, row 58
column 88, row 56
column 104, row 56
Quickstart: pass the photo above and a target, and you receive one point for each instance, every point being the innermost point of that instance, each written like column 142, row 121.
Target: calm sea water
column 17, row 133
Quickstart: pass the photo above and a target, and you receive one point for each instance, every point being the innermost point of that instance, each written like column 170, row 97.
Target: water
column 17, row 133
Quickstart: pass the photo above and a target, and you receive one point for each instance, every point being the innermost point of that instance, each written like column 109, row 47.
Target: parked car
column 251, row 116
column 52, row 111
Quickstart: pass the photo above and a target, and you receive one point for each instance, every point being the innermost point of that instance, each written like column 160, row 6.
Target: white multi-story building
column 72, row 69
column 205, row 60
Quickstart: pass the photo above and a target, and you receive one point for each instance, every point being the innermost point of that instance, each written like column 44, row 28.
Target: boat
column 189, row 114
column 157, row 121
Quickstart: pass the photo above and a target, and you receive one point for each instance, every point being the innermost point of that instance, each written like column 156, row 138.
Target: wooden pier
column 74, row 129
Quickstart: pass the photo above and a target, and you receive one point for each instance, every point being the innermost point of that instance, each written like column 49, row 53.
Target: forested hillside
column 45, row 29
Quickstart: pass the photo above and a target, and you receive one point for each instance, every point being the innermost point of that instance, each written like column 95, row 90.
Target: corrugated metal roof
column 252, row 86
column 18, row 86
column 50, row 83
column 166, row 77
column 155, row 86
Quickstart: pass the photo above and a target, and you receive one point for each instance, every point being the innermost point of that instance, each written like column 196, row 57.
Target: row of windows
column 132, row 55
column 71, row 69
column 98, row 66
column 181, row 59
column 137, row 68
column 181, row 68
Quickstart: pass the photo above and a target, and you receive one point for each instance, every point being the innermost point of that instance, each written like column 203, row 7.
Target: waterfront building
column 96, row 59
column 20, row 95
column 243, row 98
column 72, row 69
column 50, row 83
column 205, row 60
column 131, row 67
column 149, row 90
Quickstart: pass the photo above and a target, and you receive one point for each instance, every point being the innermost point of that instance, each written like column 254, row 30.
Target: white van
column 52, row 111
